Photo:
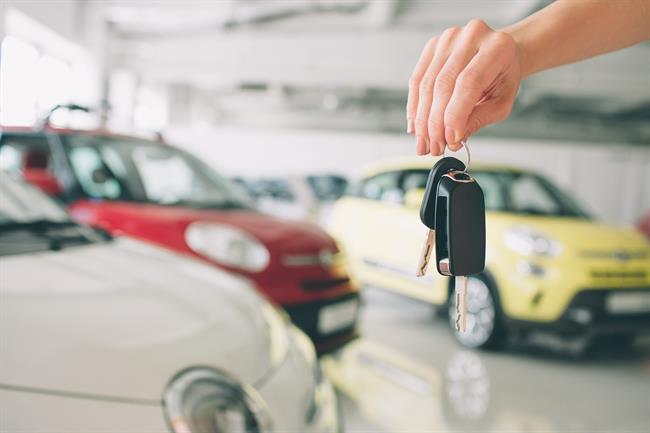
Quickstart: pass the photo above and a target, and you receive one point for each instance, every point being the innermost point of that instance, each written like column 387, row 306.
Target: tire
column 485, row 328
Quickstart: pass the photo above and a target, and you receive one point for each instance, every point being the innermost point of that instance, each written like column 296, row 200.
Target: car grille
column 305, row 316
column 594, row 300
column 617, row 274
column 622, row 255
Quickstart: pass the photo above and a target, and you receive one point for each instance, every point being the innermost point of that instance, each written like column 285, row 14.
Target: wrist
column 523, row 50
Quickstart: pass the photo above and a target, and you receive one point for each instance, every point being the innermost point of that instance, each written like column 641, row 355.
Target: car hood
column 277, row 234
column 582, row 236
column 122, row 318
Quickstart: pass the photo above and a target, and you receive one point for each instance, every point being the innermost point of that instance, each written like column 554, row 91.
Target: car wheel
column 484, row 327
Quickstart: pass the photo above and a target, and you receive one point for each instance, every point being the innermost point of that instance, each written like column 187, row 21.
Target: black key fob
column 428, row 206
column 460, row 225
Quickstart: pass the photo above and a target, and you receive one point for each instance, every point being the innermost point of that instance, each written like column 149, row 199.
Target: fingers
column 472, row 84
column 414, row 82
column 426, row 94
column 459, row 78
column 487, row 113
column 464, row 50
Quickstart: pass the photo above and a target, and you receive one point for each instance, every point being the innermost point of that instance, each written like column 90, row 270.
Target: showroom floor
column 407, row 374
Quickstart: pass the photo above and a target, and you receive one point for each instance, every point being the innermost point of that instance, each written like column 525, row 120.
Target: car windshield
column 30, row 221
column 525, row 193
column 116, row 168
column 22, row 203
column 513, row 191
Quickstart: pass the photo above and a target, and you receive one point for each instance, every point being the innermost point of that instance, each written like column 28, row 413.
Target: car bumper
column 589, row 314
column 310, row 317
column 298, row 396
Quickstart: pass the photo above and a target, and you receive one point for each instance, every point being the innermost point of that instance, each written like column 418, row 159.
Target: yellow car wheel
column 484, row 318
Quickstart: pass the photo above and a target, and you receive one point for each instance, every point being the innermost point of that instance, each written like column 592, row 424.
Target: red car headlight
column 227, row 245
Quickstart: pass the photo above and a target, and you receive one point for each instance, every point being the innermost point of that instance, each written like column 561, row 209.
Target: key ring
column 466, row 147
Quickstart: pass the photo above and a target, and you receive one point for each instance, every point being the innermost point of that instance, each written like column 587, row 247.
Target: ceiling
column 340, row 62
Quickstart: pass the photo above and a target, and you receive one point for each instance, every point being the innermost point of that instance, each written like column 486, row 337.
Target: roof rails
column 45, row 122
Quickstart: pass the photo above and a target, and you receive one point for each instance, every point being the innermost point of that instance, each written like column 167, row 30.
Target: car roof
column 425, row 163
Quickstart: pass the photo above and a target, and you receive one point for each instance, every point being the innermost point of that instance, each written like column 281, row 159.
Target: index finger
column 414, row 82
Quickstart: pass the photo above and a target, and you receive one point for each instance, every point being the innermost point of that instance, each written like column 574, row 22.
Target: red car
column 161, row 194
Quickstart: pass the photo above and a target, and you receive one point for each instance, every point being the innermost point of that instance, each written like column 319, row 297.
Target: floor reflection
column 408, row 375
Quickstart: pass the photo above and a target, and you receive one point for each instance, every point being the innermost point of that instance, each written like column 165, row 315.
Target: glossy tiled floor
column 407, row 374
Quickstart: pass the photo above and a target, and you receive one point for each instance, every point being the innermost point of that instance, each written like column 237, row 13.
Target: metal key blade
column 427, row 248
column 461, row 304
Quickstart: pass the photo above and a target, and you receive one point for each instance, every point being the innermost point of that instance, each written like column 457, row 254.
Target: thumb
column 489, row 112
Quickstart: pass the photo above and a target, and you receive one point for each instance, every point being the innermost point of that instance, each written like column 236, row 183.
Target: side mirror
column 413, row 197
column 43, row 180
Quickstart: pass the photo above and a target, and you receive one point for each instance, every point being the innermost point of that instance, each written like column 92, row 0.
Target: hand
column 466, row 78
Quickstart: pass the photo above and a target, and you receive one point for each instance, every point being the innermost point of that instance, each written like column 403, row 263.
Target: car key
column 460, row 234
column 428, row 207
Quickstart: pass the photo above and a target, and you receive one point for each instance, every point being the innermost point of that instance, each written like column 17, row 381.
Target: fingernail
column 421, row 145
column 449, row 135
column 410, row 126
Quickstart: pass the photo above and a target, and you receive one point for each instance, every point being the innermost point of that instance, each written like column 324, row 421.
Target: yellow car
column 548, row 264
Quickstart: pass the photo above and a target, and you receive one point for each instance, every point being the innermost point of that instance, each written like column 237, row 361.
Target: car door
column 402, row 236
column 383, row 237
column 356, row 221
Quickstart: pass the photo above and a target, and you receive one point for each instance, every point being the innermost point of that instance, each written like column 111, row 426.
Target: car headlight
column 204, row 400
column 227, row 245
column 529, row 242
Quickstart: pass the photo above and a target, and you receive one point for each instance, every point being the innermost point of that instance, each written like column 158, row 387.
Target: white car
column 121, row 336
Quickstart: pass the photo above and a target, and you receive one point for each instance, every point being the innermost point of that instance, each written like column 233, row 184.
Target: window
column 492, row 190
column 95, row 176
column 376, row 187
column 525, row 193
column 116, row 168
column 168, row 178
column 415, row 179
column 528, row 196
column 24, row 152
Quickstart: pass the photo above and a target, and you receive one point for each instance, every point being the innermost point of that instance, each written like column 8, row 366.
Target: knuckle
column 427, row 84
column 469, row 79
column 434, row 125
column 450, row 33
column 414, row 82
column 443, row 83
column 476, row 26
column 452, row 119
column 431, row 42
column 502, row 41
column 420, row 121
